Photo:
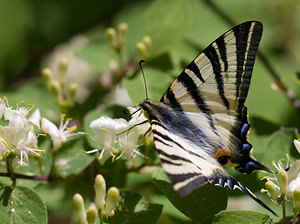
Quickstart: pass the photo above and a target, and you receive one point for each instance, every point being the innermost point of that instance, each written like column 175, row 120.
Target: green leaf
column 33, row 92
column 166, row 22
column 71, row 159
column 201, row 205
column 280, row 144
column 157, row 83
column 21, row 205
column 133, row 209
column 241, row 217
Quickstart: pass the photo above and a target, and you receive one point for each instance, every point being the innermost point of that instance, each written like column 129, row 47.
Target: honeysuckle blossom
column 297, row 145
column 78, row 71
column 35, row 118
column 18, row 136
column 117, row 136
column 106, row 130
column 118, row 96
column 58, row 135
column 286, row 181
column 138, row 125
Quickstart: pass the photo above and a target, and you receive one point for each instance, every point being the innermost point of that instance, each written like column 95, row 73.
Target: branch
column 279, row 82
column 23, row 176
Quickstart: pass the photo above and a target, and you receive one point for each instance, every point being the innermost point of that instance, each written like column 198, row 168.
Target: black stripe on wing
column 212, row 55
column 192, row 89
column 246, row 58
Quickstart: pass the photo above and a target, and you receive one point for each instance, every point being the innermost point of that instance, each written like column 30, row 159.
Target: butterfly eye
column 223, row 159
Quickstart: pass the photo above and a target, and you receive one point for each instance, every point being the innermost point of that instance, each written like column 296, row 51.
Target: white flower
column 118, row 135
column 2, row 107
column 106, row 130
column 293, row 179
column 58, row 135
column 138, row 120
column 78, row 71
column 138, row 125
column 118, row 96
column 18, row 136
column 35, row 118
column 297, row 144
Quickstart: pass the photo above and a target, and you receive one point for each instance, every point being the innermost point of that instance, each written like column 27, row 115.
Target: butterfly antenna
column 140, row 64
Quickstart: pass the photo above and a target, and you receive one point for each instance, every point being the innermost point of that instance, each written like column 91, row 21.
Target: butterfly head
column 148, row 107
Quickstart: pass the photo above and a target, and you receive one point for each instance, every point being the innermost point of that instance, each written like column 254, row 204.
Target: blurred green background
column 32, row 30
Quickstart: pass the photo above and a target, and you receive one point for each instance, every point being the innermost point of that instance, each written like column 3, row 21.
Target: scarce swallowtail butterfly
column 201, row 122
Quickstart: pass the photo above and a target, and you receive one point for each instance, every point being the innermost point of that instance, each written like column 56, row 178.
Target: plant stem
column 42, row 168
column 101, row 216
column 10, row 171
column 23, row 176
column 52, row 170
column 295, row 217
column 283, row 211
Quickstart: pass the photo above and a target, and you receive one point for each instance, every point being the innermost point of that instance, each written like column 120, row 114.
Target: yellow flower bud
column 283, row 181
column 148, row 42
column 111, row 202
column 47, row 75
column 296, row 199
column 62, row 70
column 73, row 87
column 100, row 188
column 122, row 33
column 271, row 188
column 91, row 214
column 57, row 91
column 78, row 205
column 141, row 50
column 111, row 36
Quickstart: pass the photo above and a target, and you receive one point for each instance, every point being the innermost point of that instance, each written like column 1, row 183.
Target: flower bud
column 73, row 87
column 122, row 33
column 78, row 205
column 111, row 36
column 62, row 70
column 91, row 214
column 57, row 91
column 283, row 181
column 111, row 202
column 141, row 50
column 271, row 188
column 148, row 42
column 47, row 75
column 296, row 200
column 100, row 188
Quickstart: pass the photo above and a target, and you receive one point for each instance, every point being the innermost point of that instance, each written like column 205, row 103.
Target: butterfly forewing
column 211, row 91
column 201, row 122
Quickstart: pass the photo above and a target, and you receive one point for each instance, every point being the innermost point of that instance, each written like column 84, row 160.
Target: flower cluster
column 106, row 207
column 285, row 185
column 18, row 137
column 117, row 136
column 67, row 76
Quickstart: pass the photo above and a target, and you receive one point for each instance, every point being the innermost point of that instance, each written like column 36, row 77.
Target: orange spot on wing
column 222, row 152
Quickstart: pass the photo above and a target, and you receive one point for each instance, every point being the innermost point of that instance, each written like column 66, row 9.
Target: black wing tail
column 233, row 184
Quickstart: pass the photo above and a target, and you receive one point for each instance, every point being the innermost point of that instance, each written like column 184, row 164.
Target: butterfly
column 201, row 122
